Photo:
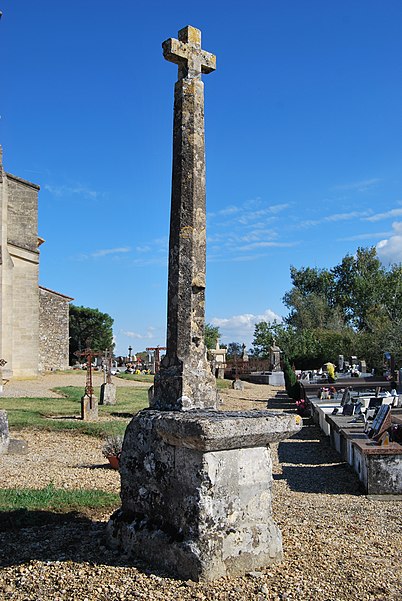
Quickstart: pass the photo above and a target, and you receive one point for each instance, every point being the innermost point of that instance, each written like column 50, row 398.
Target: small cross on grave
column 89, row 404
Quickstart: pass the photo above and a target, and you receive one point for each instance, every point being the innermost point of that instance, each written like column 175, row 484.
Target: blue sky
column 303, row 140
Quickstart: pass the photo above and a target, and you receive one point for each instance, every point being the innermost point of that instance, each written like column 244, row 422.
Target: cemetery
column 217, row 492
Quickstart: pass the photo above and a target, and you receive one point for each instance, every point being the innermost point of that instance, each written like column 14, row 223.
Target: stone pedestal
column 107, row 394
column 4, row 434
column 196, row 491
column 89, row 408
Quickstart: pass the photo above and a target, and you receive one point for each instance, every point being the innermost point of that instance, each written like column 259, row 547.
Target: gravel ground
column 338, row 545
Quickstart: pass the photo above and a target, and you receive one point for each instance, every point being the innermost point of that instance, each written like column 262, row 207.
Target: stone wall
column 22, row 213
column 25, row 313
column 53, row 330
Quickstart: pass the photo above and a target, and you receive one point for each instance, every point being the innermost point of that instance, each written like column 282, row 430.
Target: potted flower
column 112, row 450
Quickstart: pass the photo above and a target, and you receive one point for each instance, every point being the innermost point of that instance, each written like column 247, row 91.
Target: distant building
column 33, row 320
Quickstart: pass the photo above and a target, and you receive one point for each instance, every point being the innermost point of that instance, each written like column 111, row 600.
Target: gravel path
column 338, row 545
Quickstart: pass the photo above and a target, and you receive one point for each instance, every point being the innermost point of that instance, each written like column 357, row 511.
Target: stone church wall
column 53, row 330
column 22, row 227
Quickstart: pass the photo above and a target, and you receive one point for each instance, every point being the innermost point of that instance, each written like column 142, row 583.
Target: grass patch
column 145, row 379
column 223, row 384
column 62, row 414
column 56, row 499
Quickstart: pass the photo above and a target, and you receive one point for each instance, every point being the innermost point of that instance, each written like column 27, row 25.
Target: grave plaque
column 381, row 422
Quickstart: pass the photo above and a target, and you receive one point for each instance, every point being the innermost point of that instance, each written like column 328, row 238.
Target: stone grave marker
column 108, row 389
column 4, row 434
column 195, row 482
column 381, row 422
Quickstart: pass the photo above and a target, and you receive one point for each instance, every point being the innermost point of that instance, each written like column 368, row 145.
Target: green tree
column 89, row 327
column 355, row 307
column 211, row 335
column 235, row 349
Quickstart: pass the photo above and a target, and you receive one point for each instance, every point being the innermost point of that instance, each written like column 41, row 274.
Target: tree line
column 355, row 308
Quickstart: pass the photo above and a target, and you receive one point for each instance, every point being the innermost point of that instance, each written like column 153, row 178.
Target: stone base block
column 89, row 408
column 107, row 394
column 196, row 491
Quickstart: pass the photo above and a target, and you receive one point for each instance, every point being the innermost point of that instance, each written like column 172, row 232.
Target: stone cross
column 185, row 380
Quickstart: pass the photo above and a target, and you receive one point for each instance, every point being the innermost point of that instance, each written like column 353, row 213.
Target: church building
column 34, row 320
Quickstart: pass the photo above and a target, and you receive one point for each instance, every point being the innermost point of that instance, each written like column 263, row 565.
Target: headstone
column 108, row 389
column 275, row 357
column 4, row 435
column 195, row 482
column 89, row 408
column 237, row 385
column 107, row 394
column 11, row 446
column 219, row 360
column 381, row 422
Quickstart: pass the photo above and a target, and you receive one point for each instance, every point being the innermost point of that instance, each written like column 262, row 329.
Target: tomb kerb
column 195, row 482
column 185, row 380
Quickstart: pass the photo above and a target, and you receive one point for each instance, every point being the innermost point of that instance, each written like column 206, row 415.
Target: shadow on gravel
column 48, row 536
column 310, row 465
column 327, row 479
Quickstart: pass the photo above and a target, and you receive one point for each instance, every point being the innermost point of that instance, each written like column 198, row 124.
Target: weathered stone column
column 185, row 380
column 195, row 482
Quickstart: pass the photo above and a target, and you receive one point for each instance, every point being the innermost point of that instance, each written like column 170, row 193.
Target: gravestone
column 108, row 389
column 195, row 482
column 381, row 423
column 4, row 434
column 219, row 360
column 10, row 446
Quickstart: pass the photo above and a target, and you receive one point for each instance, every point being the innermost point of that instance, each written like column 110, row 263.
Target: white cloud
column 78, row 190
column 333, row 218
column 390, row 250
column 345, row 216
column 240, row 328
column 267, row 244
column 110, row 251
column 366, row 236
column 360, row 186
column 136, row 335
column 386, row 215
